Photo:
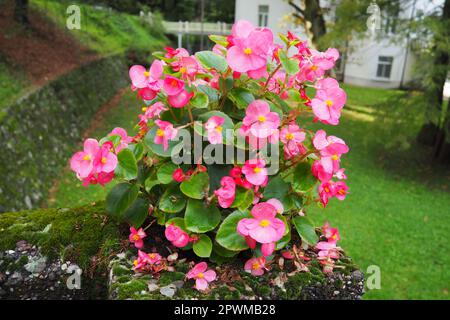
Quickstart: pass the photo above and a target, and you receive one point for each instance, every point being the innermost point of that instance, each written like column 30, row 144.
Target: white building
column 376, row 61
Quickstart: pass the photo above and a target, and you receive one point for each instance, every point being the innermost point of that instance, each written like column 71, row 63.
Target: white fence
column 187, row 27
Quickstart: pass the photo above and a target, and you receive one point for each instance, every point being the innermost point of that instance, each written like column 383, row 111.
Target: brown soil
column 42, row 50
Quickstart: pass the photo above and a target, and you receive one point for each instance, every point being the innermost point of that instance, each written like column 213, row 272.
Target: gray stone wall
column 38, row 133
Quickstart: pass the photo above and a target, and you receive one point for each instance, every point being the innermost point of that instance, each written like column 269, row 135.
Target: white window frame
column 384, row 64
column 263, row 17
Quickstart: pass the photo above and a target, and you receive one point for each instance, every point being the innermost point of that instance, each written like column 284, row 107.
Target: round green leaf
column 165, row 172
column 120, row 198
column 277, row 188
column 127, row 165
column 137, row 212
column 209, row 60
column 200, row 100
column 306, row 230
column 199, row 218
column 227, row 235
column 197, row 186
column 137, row 149
column 172, row 200
column 303, row 180
column 241, row 97
column 221, row 251
column 203, row 246
column 244, row 199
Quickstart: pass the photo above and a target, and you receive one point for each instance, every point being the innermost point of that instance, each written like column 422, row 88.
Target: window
column 263, row 16
column 384, row 67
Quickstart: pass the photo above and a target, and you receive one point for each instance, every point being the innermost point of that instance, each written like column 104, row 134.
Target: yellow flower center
column 152, row 256
column 144, row 109
column 136, row 237
column 183, row 70
column 104, row 160
column 219, row 129
column 160, row 133
column 261, row 118
column 341, row 191
column 257, row 170
column 146, row 74
column 255, row 266
column 314, row 68
column 326, row 189
column 329, row 102
column 289, row 136
column 135, row 262
column 87, row 157
column 200, row 275
column 248, row 51
column 264, row 223
column 174, row 83
column 335, row 157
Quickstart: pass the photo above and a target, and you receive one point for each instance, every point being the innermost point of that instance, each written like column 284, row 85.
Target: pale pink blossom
column 165, row 133
column 124, row 138
column 214, row 129
column 201, row 275
column 260, row 120
column 141, row 78
column 256, row 266
column 327, row 105
column 82, row 162
column 255, row 171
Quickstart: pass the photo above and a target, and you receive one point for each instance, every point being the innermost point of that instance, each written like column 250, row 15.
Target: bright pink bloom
column 178, row 175
column 267, row 249
column 332, row 234
column 101, row 178
column 165, row 133
column 136, row 237
column 188, row 66
column 327, row 250
column 327, row 105
column 178, row 237
column 250, row 47
column 256, row 266
column 261, row 121
column 82, row 162
column 292, row 137
column 155, row 110
column 331, row 148
column 145, row 259
column 277, row 204
column 214, row 129
column 341, row 190
column 326, row 191
column 105, row 160
column 147, row 94
column 124, row 138
column 255, row 171
column 321, row 171
column 264, row 227
column 319, row 62
column 173, row 86
column 201, row 275
column 181, row 99
column 226, row 194
column 141, row 78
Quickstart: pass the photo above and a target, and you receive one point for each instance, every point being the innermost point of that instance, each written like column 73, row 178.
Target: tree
column 21, row 12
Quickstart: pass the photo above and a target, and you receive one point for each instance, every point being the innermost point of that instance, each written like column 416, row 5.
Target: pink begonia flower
column 141, row 78
column 227, row 193
column 165, row 133
column 101, row 178
column 147, row 94
column 255, row 266
column 136, row 237
column 105, row 160
column 321, row 172
column 292, row 137
column 250, row 47
column 267, row 249
column 155, row 110
column 332, row 234
column 264, row 227
column 277, row 204
column 255, row 172
column 124, row 138
column 173, row 86
column 178, row 175
column 319, row 62
column 181, row 99
column 261, row 121
column 258, row 73
column 340, row 174
column 201, row 275
column 214, row 129
column 327, row 250
column 326, row 191
column 331, row 148
column 188, row 66
column 176, row 53
column 178, row 237
column 327, row 105
column 341, row 190
column 82, row 162
column 141, row 261
column 287, row 254
column 327, row 84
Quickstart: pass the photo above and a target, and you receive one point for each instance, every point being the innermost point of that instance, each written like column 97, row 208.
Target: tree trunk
column 313, row 14
column 21, row 12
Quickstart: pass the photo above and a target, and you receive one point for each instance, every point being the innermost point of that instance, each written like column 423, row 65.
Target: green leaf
column 150, row 183
column 225, row 84
column 227, row 235
column 244, row 199
column 277, row 188
column 222, row 40
column 197, row 186
column 137, row 212
column 306, row 230
column 115, row 139
column 290, row 65
column 221, row 251
column 200, row 100
column 165, row 172
column 172, row 200
column 203, row 246
column 177, row 222
column 213, row 94
column 137, row 149
column 174, row 145
column 209, row 59
column 199, row 218
column 120, row 198
column 127, row 165
column 303, row 180
column 241, row 97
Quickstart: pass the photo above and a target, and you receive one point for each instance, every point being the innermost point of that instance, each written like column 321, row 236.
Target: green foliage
column 306, row 230
column 211, row 60
column 121, row 198
column 203, row 247
column 196, row 186
column 200, row 217
column 172, row 200
column 227, row 236
column 165, row 172
column 127, row 165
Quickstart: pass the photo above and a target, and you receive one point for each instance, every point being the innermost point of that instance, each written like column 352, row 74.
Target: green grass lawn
column 11, row 84
column 105, row 31
column 396, row 215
